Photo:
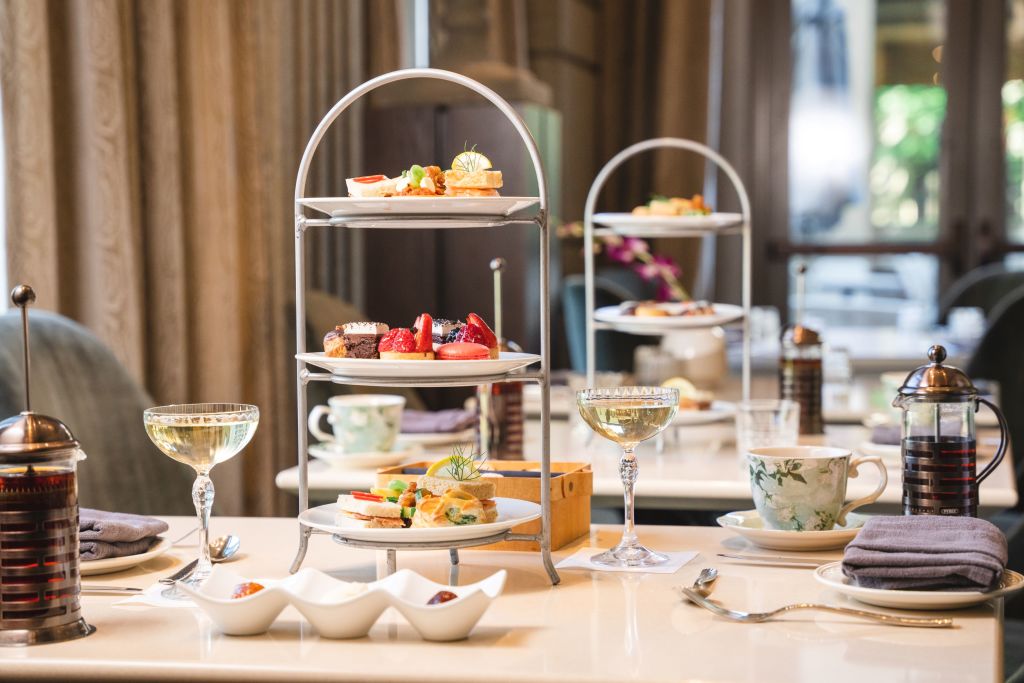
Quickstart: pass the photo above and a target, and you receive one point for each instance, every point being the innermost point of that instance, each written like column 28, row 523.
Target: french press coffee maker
column 939, row 447
column 39, row 573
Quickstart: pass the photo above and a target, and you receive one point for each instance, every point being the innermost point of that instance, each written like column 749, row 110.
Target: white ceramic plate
column 497, row 207
column 887, row 452
column 653, row 226
column 724, row 313
column 374, row 369
column 511, row 512
column 342, row 609
column 332, row 455
column 749, row 525
column 117, row 564
column 719, row 410
column 432, row 440
column 832, row 576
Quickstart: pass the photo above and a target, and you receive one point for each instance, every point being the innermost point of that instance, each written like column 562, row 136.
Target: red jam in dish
column 441, row 596
column 244, row 590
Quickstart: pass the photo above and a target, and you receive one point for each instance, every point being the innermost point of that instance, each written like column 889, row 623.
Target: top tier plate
column 629, row 225
column 404, row 212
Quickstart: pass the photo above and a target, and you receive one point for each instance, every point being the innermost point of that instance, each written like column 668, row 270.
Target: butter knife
column 181, row 573
column 87, row 589
column 779, row 560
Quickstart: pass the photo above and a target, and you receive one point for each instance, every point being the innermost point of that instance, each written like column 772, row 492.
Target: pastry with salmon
column 421, row 181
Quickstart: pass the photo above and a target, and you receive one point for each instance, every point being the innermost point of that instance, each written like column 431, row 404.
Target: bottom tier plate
column 511, row 513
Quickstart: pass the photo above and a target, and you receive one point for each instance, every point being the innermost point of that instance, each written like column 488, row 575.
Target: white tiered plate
column 832, row 576
column 116, row 564
column 724, row 313
column 719, row 410
column 511, row 512
column 373, row 369
column 748, row 524
column 500, row 207
column 629, row 225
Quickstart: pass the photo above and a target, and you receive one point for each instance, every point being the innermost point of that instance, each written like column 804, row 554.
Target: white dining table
column 600, row 627
column 699, row 469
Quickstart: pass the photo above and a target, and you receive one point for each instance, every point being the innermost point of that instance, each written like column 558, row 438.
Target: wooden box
column 572, row 484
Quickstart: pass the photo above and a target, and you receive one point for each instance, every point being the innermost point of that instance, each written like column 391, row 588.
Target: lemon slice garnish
column 684, row 386
column 441, row 466
column 471, row 161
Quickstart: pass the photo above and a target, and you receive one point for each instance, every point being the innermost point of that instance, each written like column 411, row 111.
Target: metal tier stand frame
column 304, row 376
column 588, row 241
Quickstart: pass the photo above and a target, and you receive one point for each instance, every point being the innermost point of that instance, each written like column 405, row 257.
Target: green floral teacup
column 361, row 423
column 802, row 488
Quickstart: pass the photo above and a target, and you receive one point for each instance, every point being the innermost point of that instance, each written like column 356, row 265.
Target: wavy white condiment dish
column 336, row 610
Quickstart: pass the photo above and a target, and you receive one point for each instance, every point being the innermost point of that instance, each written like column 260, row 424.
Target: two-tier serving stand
column 740, row 226
column 424, row 221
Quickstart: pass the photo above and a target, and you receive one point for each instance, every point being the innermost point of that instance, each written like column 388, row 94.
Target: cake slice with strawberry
column 404, row 344
column 476, row 331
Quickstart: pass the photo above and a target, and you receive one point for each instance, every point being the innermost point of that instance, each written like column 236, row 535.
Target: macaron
column 462, row 351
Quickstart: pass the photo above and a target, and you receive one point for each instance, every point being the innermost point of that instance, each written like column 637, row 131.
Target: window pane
column 1013, row 115
column 896, row 290
column 866, row 118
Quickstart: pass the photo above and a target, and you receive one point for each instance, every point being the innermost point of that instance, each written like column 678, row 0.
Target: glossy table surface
column 595, row 626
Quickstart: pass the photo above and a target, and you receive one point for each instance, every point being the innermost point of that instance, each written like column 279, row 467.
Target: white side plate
column 832, row 576
column 373, row 368
column 117, row 564
column 435, row 439
column 748, row 524
column 360, row 461
column 511, row 512
column 719, row 410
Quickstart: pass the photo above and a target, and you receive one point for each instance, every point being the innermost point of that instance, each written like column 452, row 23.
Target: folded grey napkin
column 926, row 552
column 437, row 422
column 115, row 534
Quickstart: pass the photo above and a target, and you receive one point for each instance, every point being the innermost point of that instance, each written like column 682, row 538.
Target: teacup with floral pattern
column 802, row 488
column 360, row 423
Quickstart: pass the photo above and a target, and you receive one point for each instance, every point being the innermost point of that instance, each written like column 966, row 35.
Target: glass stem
column 628, row 472
column 202, row 497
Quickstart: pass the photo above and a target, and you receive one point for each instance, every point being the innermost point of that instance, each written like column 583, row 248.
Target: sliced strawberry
column 471, row 333
column 492, row 340
column 399, row 340
column 424, row 333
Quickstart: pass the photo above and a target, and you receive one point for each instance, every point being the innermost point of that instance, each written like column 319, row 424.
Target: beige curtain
column 151, row 150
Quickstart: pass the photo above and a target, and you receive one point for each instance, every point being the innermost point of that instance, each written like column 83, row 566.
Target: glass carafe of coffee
column 939, row 446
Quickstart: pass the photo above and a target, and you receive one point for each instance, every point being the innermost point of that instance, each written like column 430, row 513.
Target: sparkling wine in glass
column 201, row 435
column 627, row 416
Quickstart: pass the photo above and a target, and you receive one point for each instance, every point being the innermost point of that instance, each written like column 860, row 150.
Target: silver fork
column 757, row 617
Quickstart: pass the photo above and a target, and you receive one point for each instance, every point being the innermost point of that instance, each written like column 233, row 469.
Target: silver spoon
column 222, row 548
column 705, row 582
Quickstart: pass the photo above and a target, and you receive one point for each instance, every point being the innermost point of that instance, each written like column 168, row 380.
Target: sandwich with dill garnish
column 471, row 176
column 458, row 478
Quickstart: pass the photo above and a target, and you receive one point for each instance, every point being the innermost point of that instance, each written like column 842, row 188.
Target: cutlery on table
column 779, row 560
column 109, row 589
column 705, row 582
column 221, row 549
column 757, row 617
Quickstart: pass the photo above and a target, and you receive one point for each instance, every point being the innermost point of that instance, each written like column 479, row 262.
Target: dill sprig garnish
column 466, row 467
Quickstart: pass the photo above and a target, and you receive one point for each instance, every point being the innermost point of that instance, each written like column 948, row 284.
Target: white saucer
column 335, row 457
column 748, row 524
column 116, row 564
column 832, row 576
column 433, row 439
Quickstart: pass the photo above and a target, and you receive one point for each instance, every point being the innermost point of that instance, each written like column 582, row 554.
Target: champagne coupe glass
column 201, row 435
column 627, row 416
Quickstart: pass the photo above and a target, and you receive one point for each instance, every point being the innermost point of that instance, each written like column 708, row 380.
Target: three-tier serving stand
column 741, row 227
column 428, row 222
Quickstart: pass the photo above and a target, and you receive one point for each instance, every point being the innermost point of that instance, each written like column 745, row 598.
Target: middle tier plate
column 377, row 369
column 511, row 512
